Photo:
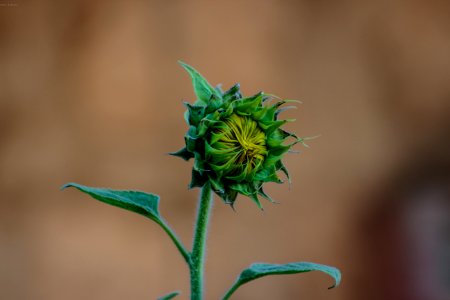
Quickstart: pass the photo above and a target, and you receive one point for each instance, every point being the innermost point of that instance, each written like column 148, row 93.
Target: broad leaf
column 139, row 202
column 202, row 88
column 259, row 270
column 169, row 296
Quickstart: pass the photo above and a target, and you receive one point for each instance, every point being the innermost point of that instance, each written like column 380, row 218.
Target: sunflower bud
column 237, row 142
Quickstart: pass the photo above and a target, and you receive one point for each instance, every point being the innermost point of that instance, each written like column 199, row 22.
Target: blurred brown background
column 91, row 92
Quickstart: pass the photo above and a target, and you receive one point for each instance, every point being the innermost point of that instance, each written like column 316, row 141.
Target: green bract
column 237, row 142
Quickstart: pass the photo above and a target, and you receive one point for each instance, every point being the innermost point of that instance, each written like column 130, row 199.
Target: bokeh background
column 91, row 92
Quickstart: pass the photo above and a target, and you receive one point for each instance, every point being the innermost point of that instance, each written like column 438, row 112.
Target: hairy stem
column 197, row 264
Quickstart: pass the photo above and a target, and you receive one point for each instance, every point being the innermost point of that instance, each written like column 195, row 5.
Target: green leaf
column 202, row 88
column 139, row 202
column 259, row 270
column 142, row 203
column 169, row 296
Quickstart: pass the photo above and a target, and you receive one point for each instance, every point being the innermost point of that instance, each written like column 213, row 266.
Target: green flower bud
column 237, row 142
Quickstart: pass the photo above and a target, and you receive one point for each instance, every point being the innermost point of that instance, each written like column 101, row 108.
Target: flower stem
column 197, row 265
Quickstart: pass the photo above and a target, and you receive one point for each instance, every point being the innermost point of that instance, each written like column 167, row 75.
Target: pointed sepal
column 203, row 90
column 183, row 153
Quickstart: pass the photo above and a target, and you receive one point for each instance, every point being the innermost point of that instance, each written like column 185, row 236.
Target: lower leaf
column 259, row 270
column 169, row 296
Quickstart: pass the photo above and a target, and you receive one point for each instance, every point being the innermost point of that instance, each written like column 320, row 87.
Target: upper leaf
column 202, row 88
column 139, row 202
column 142, row 203
column 259, row 270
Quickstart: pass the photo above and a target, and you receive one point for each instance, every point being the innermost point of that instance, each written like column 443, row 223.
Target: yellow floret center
column 243, row 145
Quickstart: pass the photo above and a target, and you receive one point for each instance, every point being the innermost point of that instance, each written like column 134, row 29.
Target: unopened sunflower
column 237, row 142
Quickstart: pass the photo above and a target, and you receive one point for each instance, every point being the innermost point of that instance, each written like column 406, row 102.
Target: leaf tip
column 67, row 185
column 184, row 65
column 337, row 278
